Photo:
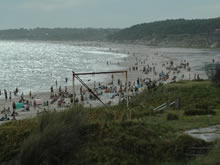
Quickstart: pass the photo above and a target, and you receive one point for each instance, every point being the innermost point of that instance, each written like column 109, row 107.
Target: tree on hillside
column 213, row 72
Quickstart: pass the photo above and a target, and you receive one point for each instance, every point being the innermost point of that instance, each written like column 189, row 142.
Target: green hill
column 109, row 136
column 180, row 32
column 197, row 33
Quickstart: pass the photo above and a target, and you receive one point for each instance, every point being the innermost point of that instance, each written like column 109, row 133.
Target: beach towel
column 39, row 102
column 19, row 105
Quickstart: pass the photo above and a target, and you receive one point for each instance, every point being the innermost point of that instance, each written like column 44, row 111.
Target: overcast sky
column 100, row 13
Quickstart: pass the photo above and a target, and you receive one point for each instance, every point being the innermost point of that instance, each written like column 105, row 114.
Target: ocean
column 36, row 66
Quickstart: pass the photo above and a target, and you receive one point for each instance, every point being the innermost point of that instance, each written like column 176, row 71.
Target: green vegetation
column 181, row 33
column 213, row 73
column 211, row 158
column 57, row 34
column 115, row 135
column 171, row 116
column 11, row 137
column 197, row 33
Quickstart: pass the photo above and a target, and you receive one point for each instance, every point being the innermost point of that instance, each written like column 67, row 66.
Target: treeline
column 199, row 33
column 180, row 31
column 63, row 34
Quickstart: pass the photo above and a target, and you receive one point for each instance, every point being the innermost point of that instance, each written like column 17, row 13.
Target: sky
column 100, row 13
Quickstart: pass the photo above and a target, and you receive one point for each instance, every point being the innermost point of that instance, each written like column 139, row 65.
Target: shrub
column 202, row 106
column 185, row 145
column 211, row 158
column 11, row 137
column 171, row 116
column 199, row 112
column 213, row 72
column 57, row 137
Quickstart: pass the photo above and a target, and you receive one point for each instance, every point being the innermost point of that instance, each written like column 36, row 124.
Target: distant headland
column 196, row 33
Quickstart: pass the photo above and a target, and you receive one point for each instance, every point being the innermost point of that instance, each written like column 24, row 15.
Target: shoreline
column 110, row 42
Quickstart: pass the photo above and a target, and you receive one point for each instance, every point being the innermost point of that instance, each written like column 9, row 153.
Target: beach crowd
column 144, row 73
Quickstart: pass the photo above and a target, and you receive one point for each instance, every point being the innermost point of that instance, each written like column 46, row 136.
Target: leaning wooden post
column 126, row 74
column 74, row 89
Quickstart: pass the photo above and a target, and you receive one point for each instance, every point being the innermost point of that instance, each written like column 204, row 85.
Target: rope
column 84, row 84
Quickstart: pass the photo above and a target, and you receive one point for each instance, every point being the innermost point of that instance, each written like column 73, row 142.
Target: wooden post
column 126, row 74
column 74, row 89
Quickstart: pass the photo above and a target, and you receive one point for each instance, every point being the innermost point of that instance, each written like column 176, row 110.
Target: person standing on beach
column 66, row 79
column 6, row 95
column 35, row 104
column 22, row 96
column 82, row 98
column 16, row 92
column 81, row 90
column 13, row 106
column 28, row 106
column 30, row 94
column 10, row 95
column 13, row 115
column 112, row 79
column 51, row 89
column 138, row 81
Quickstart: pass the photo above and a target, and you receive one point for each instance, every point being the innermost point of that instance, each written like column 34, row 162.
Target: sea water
column 36, row 66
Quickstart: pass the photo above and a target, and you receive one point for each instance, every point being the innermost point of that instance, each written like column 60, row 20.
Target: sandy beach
column 143, row 64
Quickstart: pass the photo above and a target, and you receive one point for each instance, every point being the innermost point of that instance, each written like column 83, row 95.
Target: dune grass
column 12, row 135
column 212, row 158
column 112, row 136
